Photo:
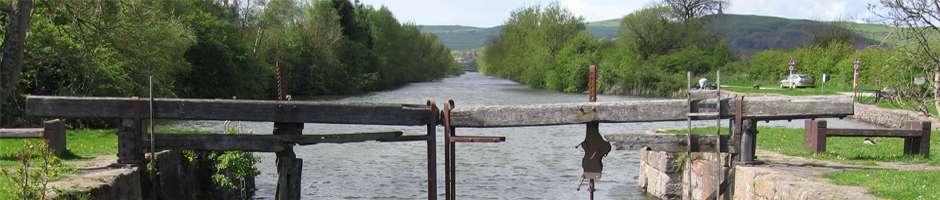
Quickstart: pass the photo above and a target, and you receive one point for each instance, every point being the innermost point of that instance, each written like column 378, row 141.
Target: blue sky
column 488, row 13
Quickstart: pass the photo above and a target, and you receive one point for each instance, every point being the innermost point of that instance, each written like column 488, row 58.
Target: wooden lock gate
column 132, row 144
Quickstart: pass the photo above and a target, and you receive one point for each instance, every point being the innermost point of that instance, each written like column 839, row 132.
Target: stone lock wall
column 664, row 175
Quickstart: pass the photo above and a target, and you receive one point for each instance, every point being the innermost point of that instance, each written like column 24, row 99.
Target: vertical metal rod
column 591, row 189
column 281, row 81
column 688, row 152
column 153, row 161
column 592, row 83
column 432, row 151
column 449, row 153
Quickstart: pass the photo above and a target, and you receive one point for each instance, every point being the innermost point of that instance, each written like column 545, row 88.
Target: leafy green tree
column 917, row 24
column 529, row 43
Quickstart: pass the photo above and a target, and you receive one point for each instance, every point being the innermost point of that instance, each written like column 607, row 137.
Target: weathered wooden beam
column 874, row 133
column 237, row 110
column 759, row 108
column 257, row 143
column 670, row 142
column 21, row 133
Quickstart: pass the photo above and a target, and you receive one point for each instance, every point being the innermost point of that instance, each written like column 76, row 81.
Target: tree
column 918, row 23
column 13, row 47
column 692, row 9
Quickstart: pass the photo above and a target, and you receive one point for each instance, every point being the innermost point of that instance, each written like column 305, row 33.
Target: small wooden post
column 918, row 145
column 54, row 133
column 288, row 180
column 815, row 136
column 749, row 141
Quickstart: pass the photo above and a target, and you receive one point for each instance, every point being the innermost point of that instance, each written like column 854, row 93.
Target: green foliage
column 535, row 45
column 28, row 181
column 233, row 164
column 215, row 49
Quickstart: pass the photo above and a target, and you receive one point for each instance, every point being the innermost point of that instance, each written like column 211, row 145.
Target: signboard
column 792, row 64
column 856, row 62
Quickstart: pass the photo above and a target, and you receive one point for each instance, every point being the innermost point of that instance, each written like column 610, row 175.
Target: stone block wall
column 664, row 175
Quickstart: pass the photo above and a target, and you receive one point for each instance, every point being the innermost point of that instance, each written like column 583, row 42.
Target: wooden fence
column 289, row 116
column 53, row 132
column 916, row 136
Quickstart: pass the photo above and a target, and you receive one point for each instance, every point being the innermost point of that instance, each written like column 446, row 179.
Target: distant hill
column 462, row 38
column 746, row 34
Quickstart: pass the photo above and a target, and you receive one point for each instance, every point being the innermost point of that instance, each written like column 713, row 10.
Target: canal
column 533, row 163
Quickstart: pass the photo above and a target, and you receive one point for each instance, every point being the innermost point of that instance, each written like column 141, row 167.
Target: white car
column 797, row 80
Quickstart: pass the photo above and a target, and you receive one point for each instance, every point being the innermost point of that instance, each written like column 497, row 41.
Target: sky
column 489, row 13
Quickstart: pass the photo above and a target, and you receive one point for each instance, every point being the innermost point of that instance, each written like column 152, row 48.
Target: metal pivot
column 594, row 145
column 450, row 153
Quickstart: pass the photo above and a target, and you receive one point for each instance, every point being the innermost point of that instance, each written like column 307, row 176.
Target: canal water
column 533, row 163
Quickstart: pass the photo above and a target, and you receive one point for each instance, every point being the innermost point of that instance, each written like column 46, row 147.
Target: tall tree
column 13, row 47
column 918, row 23
column 693, row 9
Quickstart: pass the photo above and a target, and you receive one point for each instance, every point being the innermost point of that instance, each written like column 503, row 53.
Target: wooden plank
column 759, row 108
column 670, row 142
column 257, row 143
column 236, row 110
column 21, row 133
column 873, row 133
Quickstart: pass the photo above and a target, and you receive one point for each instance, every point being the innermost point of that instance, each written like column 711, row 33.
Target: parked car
column 797, row 80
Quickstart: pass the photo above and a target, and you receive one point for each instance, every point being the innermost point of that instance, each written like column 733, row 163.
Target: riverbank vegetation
column 545, row 46
column 217, row 49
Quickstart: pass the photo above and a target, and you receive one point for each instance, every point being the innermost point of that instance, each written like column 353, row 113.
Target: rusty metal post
column 450, row 166
column 592, row 83
column 594, row 145
column 432, row 151
column 281, row 81
column 449, row 153
column 281, row 128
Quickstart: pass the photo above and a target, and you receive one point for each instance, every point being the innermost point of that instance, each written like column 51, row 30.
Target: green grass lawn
column 82, row 145
column 892, row 184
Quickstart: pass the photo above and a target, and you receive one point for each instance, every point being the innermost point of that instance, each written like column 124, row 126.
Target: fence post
column 749, row 141
column 54, row 132
column 288, row 180
column 815, row 136
column 918, row 145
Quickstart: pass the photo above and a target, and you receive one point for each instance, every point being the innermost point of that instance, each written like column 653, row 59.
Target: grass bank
column 82, row 145
column 892, row 184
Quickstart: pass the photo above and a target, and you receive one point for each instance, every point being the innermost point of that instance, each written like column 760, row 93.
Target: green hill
column 747, row 34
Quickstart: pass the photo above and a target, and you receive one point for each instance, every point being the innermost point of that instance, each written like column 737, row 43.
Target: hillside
column 747, row 34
